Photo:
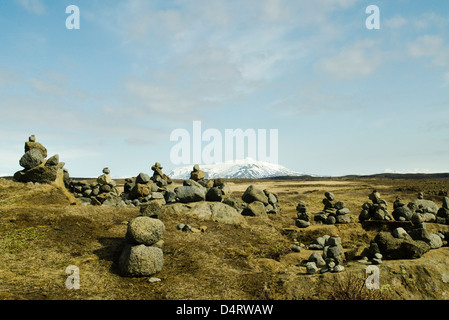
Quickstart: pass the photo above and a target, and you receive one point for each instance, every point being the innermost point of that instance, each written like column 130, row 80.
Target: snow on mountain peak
column 245, row 168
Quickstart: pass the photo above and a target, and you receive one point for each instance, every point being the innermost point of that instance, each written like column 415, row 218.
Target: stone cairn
column 426, row 208
column 142, row 255
column 401, row 212
column 259, row 203
column 377, row 210
column 103, row 191
column 37, row 168
column 334, row 212
column 330, row 260
column 303, row 220
column 442, row 216
column 198, row 188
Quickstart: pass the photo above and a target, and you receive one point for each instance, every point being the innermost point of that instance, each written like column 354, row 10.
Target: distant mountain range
column 239, row 169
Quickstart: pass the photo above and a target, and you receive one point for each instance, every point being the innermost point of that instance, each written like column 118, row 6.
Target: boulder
column 143, row 178
column 393, row 248
column 53, row 161
column 187, row 194
column 140, row 261
column 424, row 206
column 255, row 209
column 151, row 209
column 318, row 259
column 31, row 159
column 252, row 193
column 30, row 145
column 214, row 194
column 302, row 223
column 144, row 230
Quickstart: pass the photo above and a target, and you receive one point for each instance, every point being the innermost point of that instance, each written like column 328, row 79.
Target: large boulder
column 31, row 159
column 144, row 230
column 255, row 209
column 424, row 206
column 140, row 260
column 253, row 193
column 215, row 211
column 395, row 248
column 187, row 194
column 40, row 174
column 32, row 145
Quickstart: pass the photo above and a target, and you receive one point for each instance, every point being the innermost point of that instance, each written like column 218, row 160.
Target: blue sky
column 345, row 99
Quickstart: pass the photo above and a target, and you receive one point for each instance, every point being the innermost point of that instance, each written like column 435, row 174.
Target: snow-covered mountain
column 247, row 168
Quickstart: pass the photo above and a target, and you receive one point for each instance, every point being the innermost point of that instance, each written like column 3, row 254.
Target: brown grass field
column 42, row 232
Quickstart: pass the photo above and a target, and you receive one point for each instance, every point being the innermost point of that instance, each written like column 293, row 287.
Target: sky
column 345, row 99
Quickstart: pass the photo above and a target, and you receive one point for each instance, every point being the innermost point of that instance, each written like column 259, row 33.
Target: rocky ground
column 43, row 230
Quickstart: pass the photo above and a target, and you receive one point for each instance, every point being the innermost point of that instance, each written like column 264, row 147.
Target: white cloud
column 34, row 6
column 358, row 60
column 395, row 22
column 431, row 46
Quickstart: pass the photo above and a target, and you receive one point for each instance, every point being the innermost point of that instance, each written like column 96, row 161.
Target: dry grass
column 42, row 232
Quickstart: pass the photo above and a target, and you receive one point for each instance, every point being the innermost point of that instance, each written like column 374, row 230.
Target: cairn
column 442, row 216
column 426, row 208
column 142, row 255
column 160, row 178
column 197, row 188
column 197, row 174
column 303, row 220
column 334, row 212
column 38, row 169
column 103, row 191
column 401, row 212
column 259, row 203
column 331, row 260
column 377, row 210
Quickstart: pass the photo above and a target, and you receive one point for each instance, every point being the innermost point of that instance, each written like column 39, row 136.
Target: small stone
column 106, row 171
column 296, row 248
column 180, row 226
column 311, row 268
column 153, row 280
column 338, row 268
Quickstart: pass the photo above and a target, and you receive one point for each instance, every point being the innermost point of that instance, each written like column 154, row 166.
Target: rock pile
column 303, row 220
column 400, row 244
column 442, row 216
column 103, row 191
column 142, row 255
column 259, row 203
column 330, row 260
column 334, row 212
column 401, row 212
column 377, row 210
column 426, row 208
column 37, row 168
column 197, row 174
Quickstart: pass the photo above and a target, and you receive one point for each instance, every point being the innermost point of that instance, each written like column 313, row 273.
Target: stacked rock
column 377, row 210
column 160, row 178
column 142, row 255
column 419, row 232
column 334, row 212
column 401, row 212
column 426, row 208
column 197, row 174
column 259, row 203
column 197, row 188
column 101, row 192
column 330, row 260
column 37, row 168
column 442, row 216
column 303, row 220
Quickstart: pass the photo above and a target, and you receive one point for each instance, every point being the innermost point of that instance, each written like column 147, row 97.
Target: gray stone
column 106, row 171
column 446, row 203
column 338, row 268
column 330, row 196
column 435, row 241
column 364, row 215
column 53, row 161
column 342, row 211
column 252, row 193
column 402, row 211
column 311, row 268
column 140, row 260
column 318, row 259
column 302, row 223
column 151, row 209
column 296, row 248
column 333, row 241
column 393, row 248
column 320, row 217
column 255, row 209
column 400, row 233
column 339, row 205
column 187, row 194
column 343, row 219
column 143, row 178
column 214, row 194
column 170, row 196
column 145, row 230
column 330, row 220
column 31, row 159
column 424, row 205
